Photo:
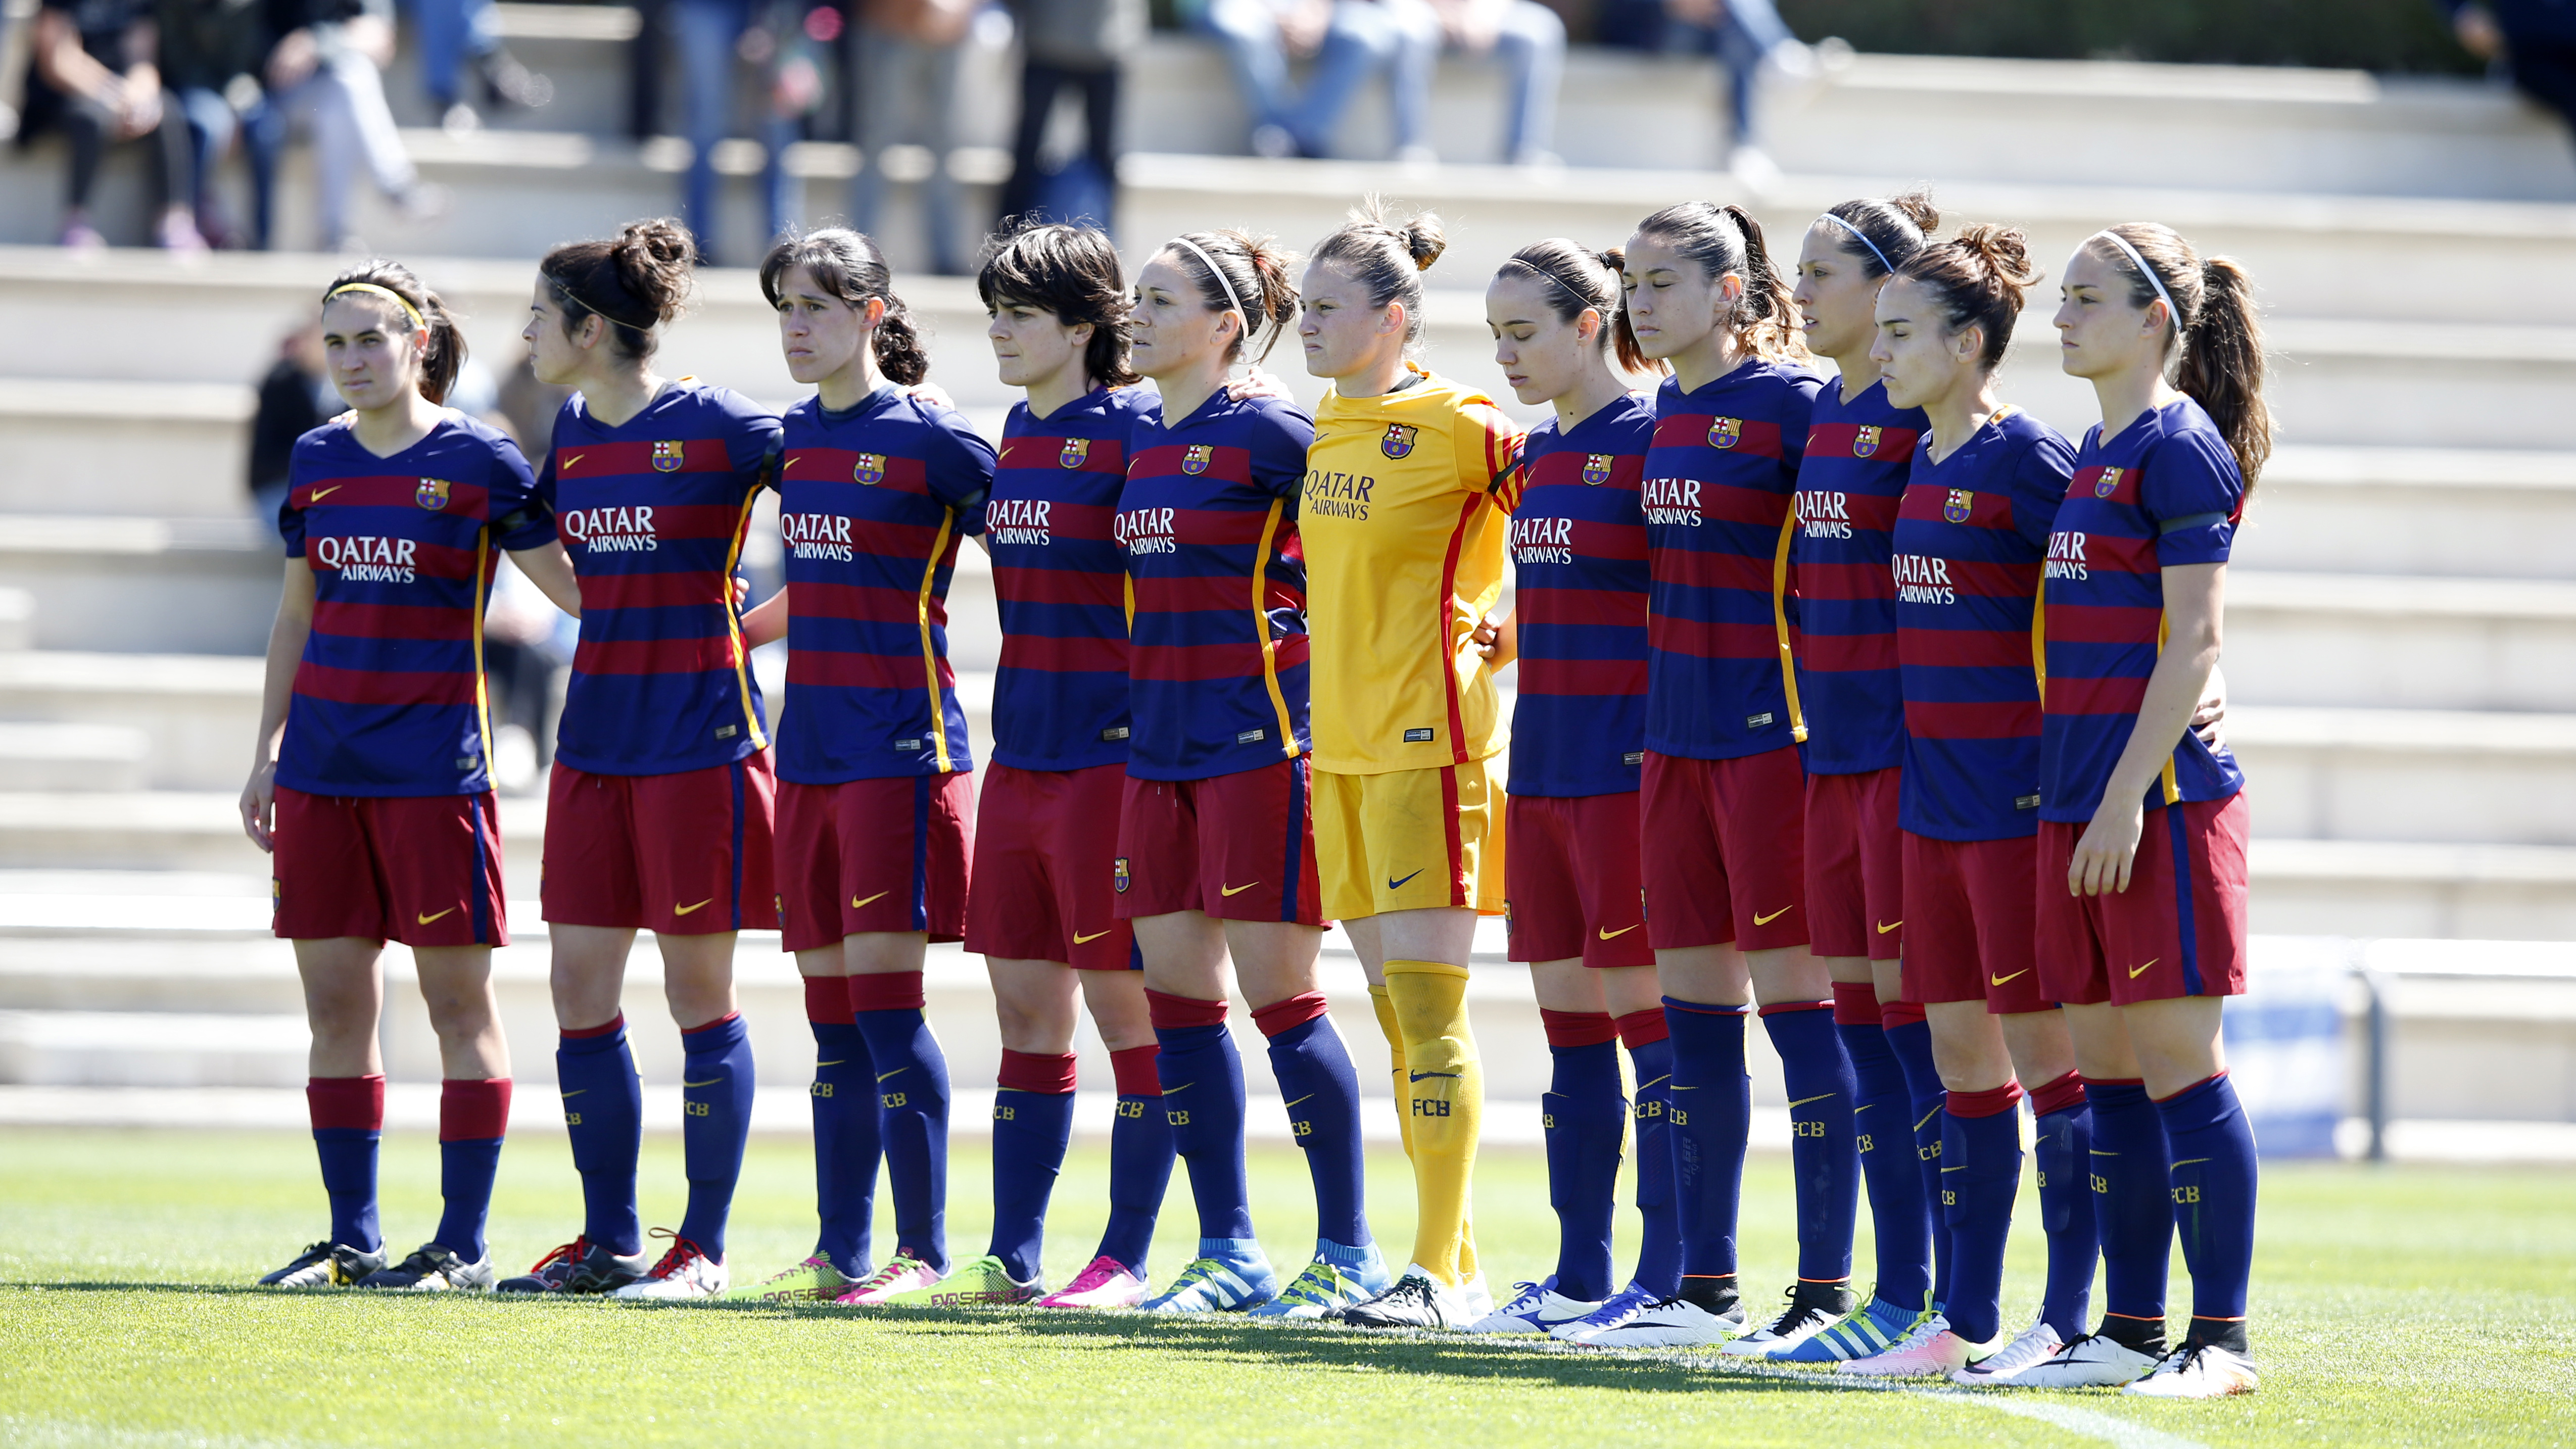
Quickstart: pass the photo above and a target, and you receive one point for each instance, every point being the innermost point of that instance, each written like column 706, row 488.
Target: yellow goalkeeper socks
column 1395, row 1048
column 1441, row 1093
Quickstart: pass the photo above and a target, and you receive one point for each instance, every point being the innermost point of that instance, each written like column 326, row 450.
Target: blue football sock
column 1711, row 1114
column 604, row 1116
column 1202, row 1077
column 1140, row 1158
column 716, row 1084
column 2213, row 1196
column 1980, row 1173
column 1900, row 1219
column 348, row 1116
column 1032, row 1125
column 2063, row 1145
column 1581, row 1116
column 912, row 1109
column 1659, row 1227
column 1823, row 1157
column 1322, row 1091
column 846, row 1147
column 1911, row 1044
column 2132, row 1182
column 473, row 1118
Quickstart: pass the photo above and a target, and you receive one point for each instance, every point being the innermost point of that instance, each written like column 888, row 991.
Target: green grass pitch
column 2393, row 1307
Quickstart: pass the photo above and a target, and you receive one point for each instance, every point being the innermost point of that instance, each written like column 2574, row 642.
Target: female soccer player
column 1578, row 628
column 1722, row 790
column 370, row 781
column 658, row 813
column 1860, row 448
column 876, row 795
column 1971, row 533
column 1408, row 491
column 2136, row 576
column 1215, row 836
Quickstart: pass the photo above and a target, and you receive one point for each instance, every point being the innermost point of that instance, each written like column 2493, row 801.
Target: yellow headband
column 399, row 300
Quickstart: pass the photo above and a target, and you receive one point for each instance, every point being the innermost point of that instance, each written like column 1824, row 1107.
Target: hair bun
column 1424, row 240
column 1915, row 205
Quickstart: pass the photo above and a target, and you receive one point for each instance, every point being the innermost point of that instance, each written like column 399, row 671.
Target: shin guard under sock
column 2133, row 1199
column 1659, row 1234
column 1882, row 1118
column 1909, row 1040
column 1582, row 1117
column 912, row 1108
column 2213, row 1196
column 1393, row 1030
column 716, row 1083
column 604, row 1116
column 1444, row 1101
column 1711, row 1116
column 473, row 1118
column 1032, row 1126
column 1823, row 1157
column 348, row 1115
column 1322, row 1091
column 846, row 1146
column 1140, row 1158
column 1203, row 1100
column 1981, row 1174
column 2062, row 1145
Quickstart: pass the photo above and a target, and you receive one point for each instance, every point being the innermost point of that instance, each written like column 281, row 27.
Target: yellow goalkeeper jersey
column 1405, row 519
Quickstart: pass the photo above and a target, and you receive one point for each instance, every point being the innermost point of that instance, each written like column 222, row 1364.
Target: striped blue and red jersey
column 1859, row 454
column 1579, row 604
column 1970, row 536
column 2165, row 493
column 1217, row 663
column 654, row 512
column 871, row 503
column 389, row 697
column 1719, row 479
column 1060, row 699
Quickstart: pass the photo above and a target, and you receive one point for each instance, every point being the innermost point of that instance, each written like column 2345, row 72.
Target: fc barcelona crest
column 1865, row 443
column 1076, row 451
column 432, row 494
column 2107, row 484
column 1725, row 432
column 870, row 469
column 1119, row 877
column 1596, row 469
column 1956, row 507
column 667, row 457
column 1194, row 462
column 1398, row 440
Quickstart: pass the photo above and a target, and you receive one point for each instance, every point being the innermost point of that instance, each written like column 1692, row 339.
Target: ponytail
column 420, row 310
column 848, row 265
column 1724, row 239
column 2217, row 330
column 1978, row 279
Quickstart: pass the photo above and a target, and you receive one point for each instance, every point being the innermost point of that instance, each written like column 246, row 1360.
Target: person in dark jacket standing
column 1083, row 44
column 2533, row 41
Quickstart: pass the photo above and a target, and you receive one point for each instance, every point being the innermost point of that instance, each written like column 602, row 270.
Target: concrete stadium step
column 2407, row 643
column 2455, row 512
column 2420, row 776
column 17, row 620
column 195, row 713
column 141, row 584
column 2374, row 887
column 71, row 757
column 171, row 448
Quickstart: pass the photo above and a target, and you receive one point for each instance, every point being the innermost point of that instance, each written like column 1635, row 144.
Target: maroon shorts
column 1724, row 850
column 2178, row 930
column 681, row 855
column 1570, row 880
column 1968, row 909
column 1045, row 866
column 1240, row 847
column 424, row 870
column 1855, row 875
column 862, row 856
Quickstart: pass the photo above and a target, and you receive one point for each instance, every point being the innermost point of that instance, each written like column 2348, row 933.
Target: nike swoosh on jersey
column 1397, row 885
column 1421, row 1076
column 1802, row 1101
column 425, row 920
column 2134, row 971
column 1615, row 935
column 684, row 910
column 572, row 458
column 2016, row 976
column 859, row 905
column 1762, row 920
column 1080, row 939
column 321, row 493
column 1886, row 926
column 1230, row 891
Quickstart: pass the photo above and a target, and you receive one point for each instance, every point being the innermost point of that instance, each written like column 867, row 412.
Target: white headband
column 1231, row 300
column 2171, row 311
column 1864, row 239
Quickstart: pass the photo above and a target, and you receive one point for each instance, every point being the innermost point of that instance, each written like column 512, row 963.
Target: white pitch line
column 2092, row 1423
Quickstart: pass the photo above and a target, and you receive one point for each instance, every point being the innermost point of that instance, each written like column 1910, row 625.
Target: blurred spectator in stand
column 644, row 69
column 326, row 70
column 450, row 33
column 2532, row 41
column 98, row 79
column 210, row 58
column 1349, row 39
column 1749, row 40
column 904, row 56
column 1527, row 39
column 779, row 38
column 1084, row 45
column 294, row 398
